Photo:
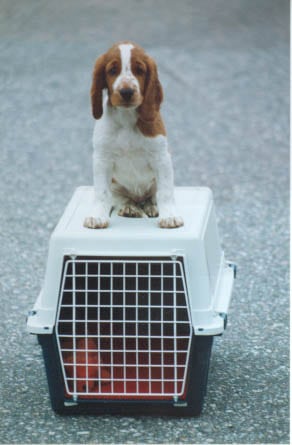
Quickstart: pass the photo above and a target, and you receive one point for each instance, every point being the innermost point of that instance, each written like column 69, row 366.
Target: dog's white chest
column 132, row 157
column 132, row 170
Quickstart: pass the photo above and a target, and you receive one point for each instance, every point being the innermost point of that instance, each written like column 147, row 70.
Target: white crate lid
column 193, row 205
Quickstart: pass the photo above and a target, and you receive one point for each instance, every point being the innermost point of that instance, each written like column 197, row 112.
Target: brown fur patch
column 98, row 84
column 152, row 128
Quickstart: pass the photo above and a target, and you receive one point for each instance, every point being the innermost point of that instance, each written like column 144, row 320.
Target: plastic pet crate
column 127, row 314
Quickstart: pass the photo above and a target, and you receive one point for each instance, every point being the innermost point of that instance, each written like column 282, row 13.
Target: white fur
column 128, row 166
column 126, row 74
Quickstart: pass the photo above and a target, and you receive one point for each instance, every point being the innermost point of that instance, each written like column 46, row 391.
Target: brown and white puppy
column 131, row 163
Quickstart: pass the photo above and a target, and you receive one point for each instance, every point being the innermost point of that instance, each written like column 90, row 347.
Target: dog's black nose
column 126, row 93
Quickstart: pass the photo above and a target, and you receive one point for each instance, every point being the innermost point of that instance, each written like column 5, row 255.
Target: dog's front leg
column 168, row 215
column 102, row 174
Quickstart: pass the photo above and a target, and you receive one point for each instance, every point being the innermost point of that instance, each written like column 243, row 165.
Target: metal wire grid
column 123, row 327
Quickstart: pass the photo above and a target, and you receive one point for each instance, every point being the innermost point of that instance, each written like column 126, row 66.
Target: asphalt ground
column 224, row 66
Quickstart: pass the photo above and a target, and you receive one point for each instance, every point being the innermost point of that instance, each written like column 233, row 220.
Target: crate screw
column 234, row 267
column 30, row 313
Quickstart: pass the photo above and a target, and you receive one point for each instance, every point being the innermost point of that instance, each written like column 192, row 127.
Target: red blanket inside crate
column 134, row 368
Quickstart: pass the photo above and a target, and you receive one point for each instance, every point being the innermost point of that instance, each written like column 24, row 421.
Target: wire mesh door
column 123, row 328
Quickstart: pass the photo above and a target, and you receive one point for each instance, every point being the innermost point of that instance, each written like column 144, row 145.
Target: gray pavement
column 224, row 65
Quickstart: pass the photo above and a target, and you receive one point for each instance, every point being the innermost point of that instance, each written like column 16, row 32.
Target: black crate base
column 190, row 406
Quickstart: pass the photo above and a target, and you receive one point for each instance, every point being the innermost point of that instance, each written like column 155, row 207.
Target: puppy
column 132, row 166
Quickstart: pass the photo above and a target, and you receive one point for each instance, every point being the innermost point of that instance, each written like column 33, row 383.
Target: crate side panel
column 197, row 276
column 213, row 251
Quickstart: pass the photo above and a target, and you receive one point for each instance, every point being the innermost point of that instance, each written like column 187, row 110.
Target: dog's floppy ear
column 98, row 84
column 153, row 94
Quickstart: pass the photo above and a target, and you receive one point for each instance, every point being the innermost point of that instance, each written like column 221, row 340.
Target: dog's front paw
column 96, row 223
column 171, row 222
column 131, row 211
column 150, row 209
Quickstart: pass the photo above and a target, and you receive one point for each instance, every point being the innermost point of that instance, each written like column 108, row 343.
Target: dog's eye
column 139, row 71
column 112, row 71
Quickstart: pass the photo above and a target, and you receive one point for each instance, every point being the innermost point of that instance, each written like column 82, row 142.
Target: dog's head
column 131, row 79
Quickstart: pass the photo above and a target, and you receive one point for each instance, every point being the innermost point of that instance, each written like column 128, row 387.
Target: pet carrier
column 127, row 315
